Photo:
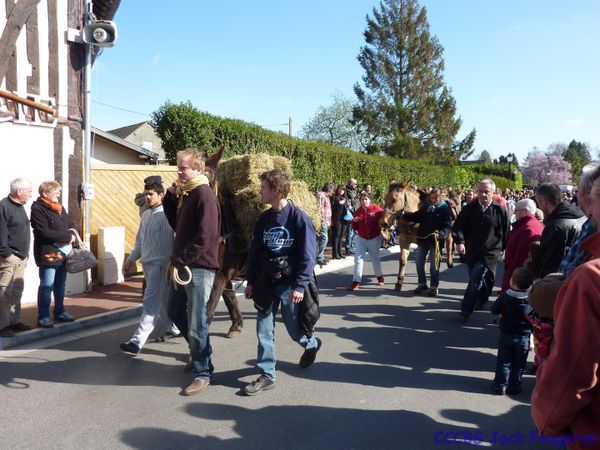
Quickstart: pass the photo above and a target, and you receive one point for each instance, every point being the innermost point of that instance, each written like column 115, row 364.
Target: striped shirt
column 324, row 207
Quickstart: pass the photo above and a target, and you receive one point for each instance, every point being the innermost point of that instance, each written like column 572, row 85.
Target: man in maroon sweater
column 193, row 212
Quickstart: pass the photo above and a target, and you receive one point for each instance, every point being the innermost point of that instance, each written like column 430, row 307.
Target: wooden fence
column 115, row 188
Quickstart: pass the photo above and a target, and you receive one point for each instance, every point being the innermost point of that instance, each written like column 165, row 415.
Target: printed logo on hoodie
column 277, row 238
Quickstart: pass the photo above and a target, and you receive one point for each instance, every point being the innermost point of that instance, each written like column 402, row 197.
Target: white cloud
column 574, row 121
column 156, row 58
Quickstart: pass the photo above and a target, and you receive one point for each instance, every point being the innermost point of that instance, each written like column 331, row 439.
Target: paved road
column 395, row 371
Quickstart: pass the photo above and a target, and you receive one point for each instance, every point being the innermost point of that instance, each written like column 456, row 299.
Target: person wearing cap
column 153, row 247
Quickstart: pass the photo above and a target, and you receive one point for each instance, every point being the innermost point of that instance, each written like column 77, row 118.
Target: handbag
column 80, row 259
column 348, row 216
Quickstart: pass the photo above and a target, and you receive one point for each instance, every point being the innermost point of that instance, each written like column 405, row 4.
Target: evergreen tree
column 405, row 107
column 578, row 155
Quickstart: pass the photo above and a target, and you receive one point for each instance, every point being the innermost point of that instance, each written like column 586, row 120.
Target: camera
column 279, row 268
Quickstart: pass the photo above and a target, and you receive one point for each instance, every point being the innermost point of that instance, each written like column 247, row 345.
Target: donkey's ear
column 213, row 160
column 403, row 185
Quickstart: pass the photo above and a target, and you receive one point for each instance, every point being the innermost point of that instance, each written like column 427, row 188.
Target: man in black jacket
column 480, row 232
column 562, row 224
column 15, row 238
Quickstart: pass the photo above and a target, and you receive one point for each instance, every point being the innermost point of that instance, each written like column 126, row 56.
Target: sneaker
column 262, row 383
column 7, row 332
column 420, row 288
column 498, row 390
column 130, row 348
column 309, row 355
column 45, row 322
column 197, row 386
column 20, row 327
column 380, row 280
column 354, row 286
column 64, row 317
column 168, row 335
column 431, row 292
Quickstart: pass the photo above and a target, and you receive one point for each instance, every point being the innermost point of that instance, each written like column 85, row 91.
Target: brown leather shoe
column 196, row 387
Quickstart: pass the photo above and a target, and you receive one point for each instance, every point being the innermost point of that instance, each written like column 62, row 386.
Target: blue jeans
column 481, row 283
column 434, row 272
column 265, row 329
column 323, row 238
column 512, row 358
column 350, row 240
column 198, row 292
column 52, row 281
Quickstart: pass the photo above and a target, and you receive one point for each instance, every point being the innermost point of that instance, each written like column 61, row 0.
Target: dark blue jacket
column 514, row 309
column 431, row 218
column 288, row 232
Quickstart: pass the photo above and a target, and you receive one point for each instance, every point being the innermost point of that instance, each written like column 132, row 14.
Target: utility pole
column 290, row 126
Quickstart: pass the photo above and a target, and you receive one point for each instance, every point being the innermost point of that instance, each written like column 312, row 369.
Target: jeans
column 323, row 238
column 362, row 247
column 265, row 329
column 434, row 271
column 350, row 240
column 154, row 298
column 481, row 283
column 52, row 281
column 512, row 358
column 177, row 308
column 198, row 292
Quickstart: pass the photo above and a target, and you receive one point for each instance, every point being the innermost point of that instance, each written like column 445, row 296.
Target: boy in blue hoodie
column 281, row 260
column 515, row 332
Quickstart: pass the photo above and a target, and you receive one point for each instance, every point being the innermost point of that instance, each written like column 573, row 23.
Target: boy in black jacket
column 515, row 332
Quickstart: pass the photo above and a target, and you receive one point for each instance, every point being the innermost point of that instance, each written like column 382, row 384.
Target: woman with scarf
column 51, row 244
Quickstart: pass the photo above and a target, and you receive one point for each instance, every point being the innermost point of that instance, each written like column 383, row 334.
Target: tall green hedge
column 314, row 162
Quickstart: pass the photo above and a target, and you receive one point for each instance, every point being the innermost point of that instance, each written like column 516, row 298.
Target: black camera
column 279, row 268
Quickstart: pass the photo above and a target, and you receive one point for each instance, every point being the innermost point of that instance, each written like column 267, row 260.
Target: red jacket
column 524, row 232
column 566, row 398
column 366, row 223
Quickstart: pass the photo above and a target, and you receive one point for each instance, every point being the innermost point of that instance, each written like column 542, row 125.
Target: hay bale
column 239, row 172
column 238, row 179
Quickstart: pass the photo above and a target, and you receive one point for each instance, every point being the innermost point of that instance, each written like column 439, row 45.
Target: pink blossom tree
column 549, row 167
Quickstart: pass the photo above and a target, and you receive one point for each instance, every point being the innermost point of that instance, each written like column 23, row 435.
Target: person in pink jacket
column 566, row 399
column 525, row 230
column 366, row 224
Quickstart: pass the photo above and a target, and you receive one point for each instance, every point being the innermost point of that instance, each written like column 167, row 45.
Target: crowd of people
column 548, row 241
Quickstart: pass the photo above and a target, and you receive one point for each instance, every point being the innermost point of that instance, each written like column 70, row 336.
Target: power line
column 120, row 109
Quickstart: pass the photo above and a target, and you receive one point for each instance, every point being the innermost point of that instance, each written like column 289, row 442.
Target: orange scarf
column 56, row 207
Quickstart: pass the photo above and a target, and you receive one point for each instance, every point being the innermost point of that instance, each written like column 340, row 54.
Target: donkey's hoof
column 398, row 286
column 234, row 331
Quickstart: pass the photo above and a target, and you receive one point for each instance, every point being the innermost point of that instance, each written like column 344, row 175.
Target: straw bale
column 247, row 207
column 239, row 172
column 305, row 200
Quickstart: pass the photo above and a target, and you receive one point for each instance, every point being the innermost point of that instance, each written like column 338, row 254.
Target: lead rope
column 177, row 279
column 437, row 254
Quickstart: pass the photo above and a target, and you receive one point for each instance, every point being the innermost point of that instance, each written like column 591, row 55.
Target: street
column 395, row 371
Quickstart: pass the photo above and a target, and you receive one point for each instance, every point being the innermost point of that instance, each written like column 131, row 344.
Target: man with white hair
column 576, row 255
column 15, row 239
column 525, row 230
column 480, row 232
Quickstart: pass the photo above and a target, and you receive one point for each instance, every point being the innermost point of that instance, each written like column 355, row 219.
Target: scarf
column 56, row 207
column 184, row 190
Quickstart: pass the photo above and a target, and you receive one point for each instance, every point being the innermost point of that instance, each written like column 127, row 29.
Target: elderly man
column 566, row 398
column 480, row 232
column 562, row 224
column 193, row 212
column 577, row 255
column 525, row 230
column 15, row 238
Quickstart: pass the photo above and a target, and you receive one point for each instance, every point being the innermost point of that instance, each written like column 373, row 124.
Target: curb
column 84, row 323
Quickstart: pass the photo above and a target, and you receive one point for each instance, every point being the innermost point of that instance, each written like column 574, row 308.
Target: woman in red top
column 366, row 224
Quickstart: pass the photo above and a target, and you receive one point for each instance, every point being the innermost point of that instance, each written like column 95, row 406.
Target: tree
column 405, row 108
column 485, row 156
column 578, row 155
column 333, row 124
column 549, row 167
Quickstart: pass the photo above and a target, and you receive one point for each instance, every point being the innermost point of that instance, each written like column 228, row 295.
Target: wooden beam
column 25, row 101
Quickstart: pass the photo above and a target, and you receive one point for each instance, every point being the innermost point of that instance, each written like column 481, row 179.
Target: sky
column 524, row 74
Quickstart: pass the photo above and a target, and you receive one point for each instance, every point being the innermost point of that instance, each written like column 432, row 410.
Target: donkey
column 400, row 198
